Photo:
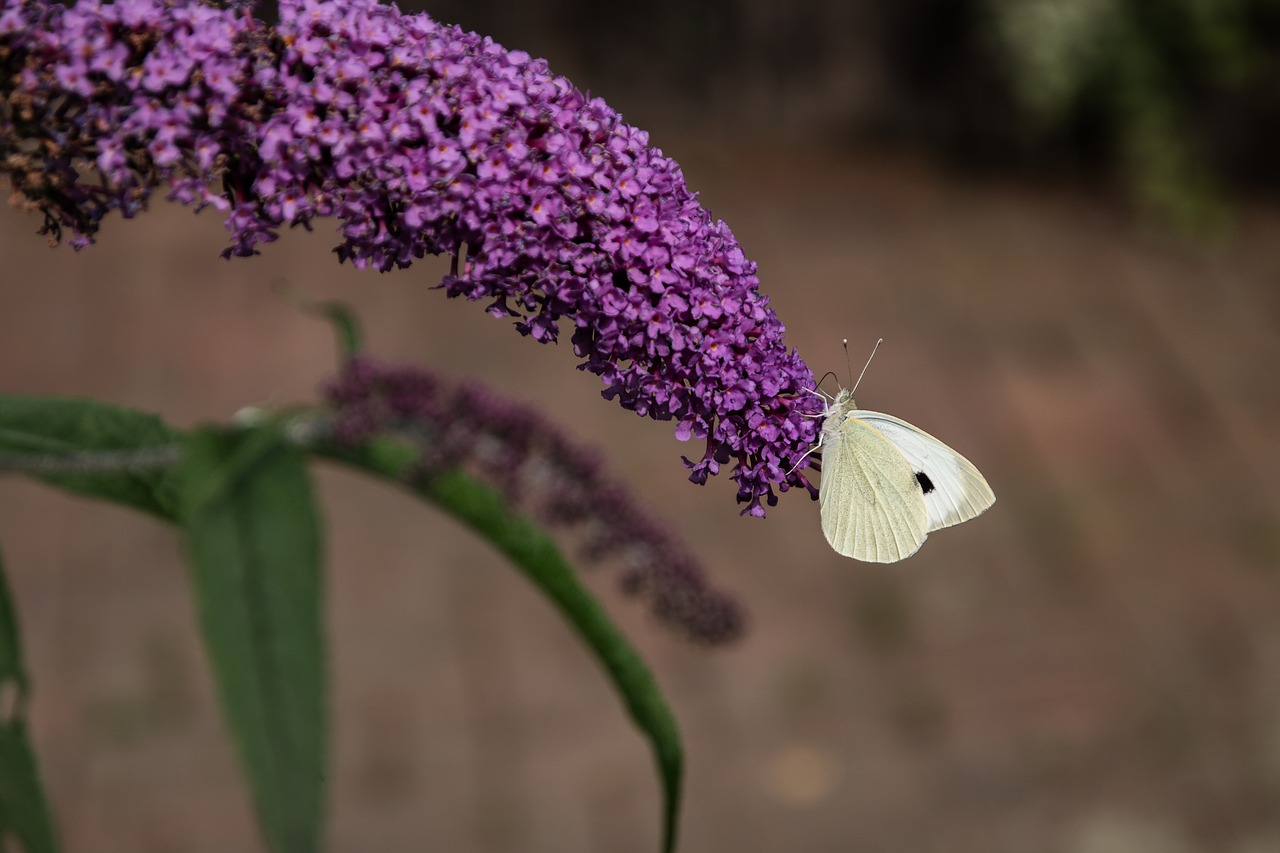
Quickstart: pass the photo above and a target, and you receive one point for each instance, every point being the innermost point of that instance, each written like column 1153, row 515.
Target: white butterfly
column 886, row 484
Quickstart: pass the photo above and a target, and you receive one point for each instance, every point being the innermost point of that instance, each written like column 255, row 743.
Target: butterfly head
column 843, row 399
column 839, row 408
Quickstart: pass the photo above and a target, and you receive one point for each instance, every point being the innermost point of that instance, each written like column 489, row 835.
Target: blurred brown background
column 1091, row 667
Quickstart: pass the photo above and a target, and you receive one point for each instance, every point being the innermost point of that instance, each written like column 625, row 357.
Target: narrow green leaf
column 11, row 669
column 339, row 314
column 253, row 540
column 24, row 811
column 344, row 326
column 59, row 426
column 536, row 554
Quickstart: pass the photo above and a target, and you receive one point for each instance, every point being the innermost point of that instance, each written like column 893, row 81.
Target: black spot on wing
column 926, row 485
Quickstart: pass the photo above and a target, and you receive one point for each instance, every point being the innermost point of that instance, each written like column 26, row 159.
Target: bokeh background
column 1061, row 217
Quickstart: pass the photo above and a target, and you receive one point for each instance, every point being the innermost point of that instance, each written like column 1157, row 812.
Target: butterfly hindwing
column 873, row 507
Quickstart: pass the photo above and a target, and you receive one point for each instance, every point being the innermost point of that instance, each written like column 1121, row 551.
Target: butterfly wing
column 873, row 508
column 953, row 489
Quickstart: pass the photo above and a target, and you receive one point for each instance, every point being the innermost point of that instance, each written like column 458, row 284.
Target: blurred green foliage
column 1168, row 82
column 1177, row 101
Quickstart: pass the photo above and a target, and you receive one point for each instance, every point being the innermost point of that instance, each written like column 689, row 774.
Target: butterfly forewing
column 953, row 489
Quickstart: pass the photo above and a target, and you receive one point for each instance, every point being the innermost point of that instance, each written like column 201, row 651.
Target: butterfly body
column 886, row 484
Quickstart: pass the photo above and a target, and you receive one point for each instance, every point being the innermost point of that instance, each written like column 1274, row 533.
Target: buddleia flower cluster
column 417, row 138
column 540, row 470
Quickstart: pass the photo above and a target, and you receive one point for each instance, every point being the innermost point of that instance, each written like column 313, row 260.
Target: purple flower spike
column 420, row 139
column 539, row 468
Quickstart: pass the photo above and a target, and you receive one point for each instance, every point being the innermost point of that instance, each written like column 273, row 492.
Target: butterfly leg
column 805, row 456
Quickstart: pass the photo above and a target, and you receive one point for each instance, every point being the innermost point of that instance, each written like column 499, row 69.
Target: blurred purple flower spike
column 538, row 468
column 420, row 139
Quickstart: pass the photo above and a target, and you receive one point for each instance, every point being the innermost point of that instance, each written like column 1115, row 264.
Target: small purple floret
column 419, row 139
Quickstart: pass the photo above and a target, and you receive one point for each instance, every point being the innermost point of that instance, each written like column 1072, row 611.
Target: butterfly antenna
column 865, row 366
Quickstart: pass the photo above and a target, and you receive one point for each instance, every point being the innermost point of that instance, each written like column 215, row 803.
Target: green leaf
column 24, row 811
column 62, row 426
column 253, row 540
column 535, row 553
column 344, row 326
column 339, row 314
column 11, row 668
